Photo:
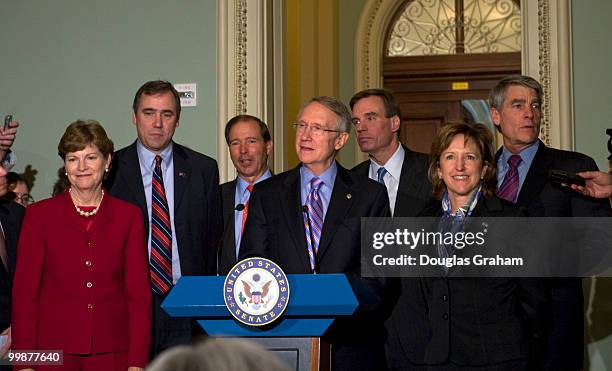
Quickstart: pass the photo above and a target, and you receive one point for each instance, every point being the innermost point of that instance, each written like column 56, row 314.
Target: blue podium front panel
column 314, row 302
column 311, row 295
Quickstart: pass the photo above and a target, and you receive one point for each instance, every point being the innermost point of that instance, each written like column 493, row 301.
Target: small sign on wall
column 188, row 94
column 461, row 85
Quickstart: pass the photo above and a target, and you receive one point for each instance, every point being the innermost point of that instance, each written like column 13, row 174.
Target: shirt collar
column 393, row 165
column 242, row 184
column 148, row 157
column 527, row 155
column 328, row 176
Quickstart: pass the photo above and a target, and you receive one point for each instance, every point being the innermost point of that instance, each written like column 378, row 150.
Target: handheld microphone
column 305, row 210
column 239, row 207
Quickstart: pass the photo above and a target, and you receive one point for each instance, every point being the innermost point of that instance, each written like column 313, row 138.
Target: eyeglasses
column 26, row 199
column 315, row 130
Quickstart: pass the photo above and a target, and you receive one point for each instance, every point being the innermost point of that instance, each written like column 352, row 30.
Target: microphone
column 305, row 210
column 239, row 207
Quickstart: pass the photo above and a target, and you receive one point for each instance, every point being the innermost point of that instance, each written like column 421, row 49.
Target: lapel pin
column 182, row 174
column 349, row 196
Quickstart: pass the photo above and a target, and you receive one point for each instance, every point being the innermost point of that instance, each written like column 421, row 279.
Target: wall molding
column 249, row 40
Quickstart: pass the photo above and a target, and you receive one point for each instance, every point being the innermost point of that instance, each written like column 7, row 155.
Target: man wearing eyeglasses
column 11, row 215
column 308, row 220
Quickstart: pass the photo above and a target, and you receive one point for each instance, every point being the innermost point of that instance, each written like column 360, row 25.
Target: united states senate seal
column 256, row 291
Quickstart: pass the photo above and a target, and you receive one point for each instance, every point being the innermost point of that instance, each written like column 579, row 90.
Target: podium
column 315, row 301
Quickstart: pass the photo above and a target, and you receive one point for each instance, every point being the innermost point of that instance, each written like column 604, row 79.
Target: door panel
column 425, row 90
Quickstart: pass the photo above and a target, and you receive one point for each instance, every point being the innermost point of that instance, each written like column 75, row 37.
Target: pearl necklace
column 86, row 213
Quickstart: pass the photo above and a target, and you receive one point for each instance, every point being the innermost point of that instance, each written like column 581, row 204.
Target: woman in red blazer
column 82, row 279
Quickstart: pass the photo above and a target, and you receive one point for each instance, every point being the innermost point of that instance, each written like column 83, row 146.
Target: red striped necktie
column 245, row 212
column 161, row 234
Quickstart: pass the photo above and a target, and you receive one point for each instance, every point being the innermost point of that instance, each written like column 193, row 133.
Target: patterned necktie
column 245, row 212
column 161, row 234
column 381, row 175
column 509, row 187
column 314, row 219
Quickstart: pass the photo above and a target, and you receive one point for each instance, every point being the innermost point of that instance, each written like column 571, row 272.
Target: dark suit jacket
column 275, row 230
column 541, row 198
column 197, row 220
column 475, row 321
column 227, row 250
column 413, row 194
column 11, row 214
column 414, row 191
column 53, row 305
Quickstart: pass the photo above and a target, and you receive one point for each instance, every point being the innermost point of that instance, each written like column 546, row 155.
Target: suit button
column 445, row 316
column 89, row 306
column 88, row 263
column 89, row 285
column 444, row 297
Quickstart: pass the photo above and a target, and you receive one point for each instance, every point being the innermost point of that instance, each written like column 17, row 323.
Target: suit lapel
column 363, row 169
column 485, row 206
column 182, row 172
column 130, row 172
column 409, row 183
column 339, row 205
column 5, row 226
column 292, row 210
column 537, row 176
column 228, row 195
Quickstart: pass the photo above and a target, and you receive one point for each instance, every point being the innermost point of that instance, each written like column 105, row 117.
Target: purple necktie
column 316, row 216
column 509, row 187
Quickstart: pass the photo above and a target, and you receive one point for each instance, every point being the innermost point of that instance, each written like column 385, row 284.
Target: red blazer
column 83, row 291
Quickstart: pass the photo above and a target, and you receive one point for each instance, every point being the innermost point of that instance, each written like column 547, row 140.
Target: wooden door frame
column 546, row 55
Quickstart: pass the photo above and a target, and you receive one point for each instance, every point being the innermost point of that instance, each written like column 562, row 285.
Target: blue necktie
column 381, row 175
column 316, row 216
column 161, row 234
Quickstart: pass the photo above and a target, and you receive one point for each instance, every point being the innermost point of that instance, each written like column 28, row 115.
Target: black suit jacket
column 275, row 226
column 11, row 215
column 475, row 321
column 197, row 221
column 414, row 190
column 542, row 198
column 227, row 250
column 413, row 194
column 275, row 230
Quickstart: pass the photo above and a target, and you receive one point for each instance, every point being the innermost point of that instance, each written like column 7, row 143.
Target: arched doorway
column 441, row 58
column 545, row 55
